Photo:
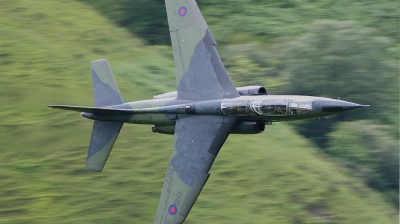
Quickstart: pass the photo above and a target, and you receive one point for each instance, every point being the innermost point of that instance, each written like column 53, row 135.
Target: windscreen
column 300, row 107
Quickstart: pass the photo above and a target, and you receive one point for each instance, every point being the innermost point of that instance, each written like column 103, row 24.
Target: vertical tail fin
column 105, row 89
column 103, row 138
column 104, row 133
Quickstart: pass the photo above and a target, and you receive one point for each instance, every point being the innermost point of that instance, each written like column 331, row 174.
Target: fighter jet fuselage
column 252, row 111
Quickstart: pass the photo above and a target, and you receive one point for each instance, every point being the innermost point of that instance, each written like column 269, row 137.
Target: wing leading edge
column 191, row 159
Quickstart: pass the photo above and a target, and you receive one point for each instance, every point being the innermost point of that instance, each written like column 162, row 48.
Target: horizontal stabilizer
column 94, row 110
column 104, row 134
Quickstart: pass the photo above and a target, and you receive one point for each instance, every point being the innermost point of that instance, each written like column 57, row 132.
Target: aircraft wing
column 197, row 141
column 200, row 74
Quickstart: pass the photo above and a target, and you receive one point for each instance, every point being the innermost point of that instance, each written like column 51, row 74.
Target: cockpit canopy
column 280, row 107
column 268, row 107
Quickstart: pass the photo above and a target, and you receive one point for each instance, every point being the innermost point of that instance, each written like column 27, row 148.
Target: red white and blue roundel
column 182, row 11
column 172, row 209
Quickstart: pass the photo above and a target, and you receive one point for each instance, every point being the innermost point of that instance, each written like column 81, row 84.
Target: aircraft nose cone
column 335, row 106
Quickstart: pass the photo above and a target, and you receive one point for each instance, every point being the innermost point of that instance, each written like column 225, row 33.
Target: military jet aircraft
column 204, row 110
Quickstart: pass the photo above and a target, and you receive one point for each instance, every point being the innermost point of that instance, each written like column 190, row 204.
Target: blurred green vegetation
column 375, row 157
column 343, row 59
column 276, row 177
column 238, row 21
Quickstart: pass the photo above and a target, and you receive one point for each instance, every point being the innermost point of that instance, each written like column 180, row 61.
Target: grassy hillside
column 45, row 50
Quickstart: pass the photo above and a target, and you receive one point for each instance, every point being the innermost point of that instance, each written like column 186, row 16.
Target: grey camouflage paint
column 103, row 81
column 191, row 159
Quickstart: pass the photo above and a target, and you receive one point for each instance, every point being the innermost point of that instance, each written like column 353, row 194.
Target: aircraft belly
column 155, row 119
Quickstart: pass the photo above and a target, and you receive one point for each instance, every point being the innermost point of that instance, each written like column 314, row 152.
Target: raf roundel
column 172, row 209
column 182, row 11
